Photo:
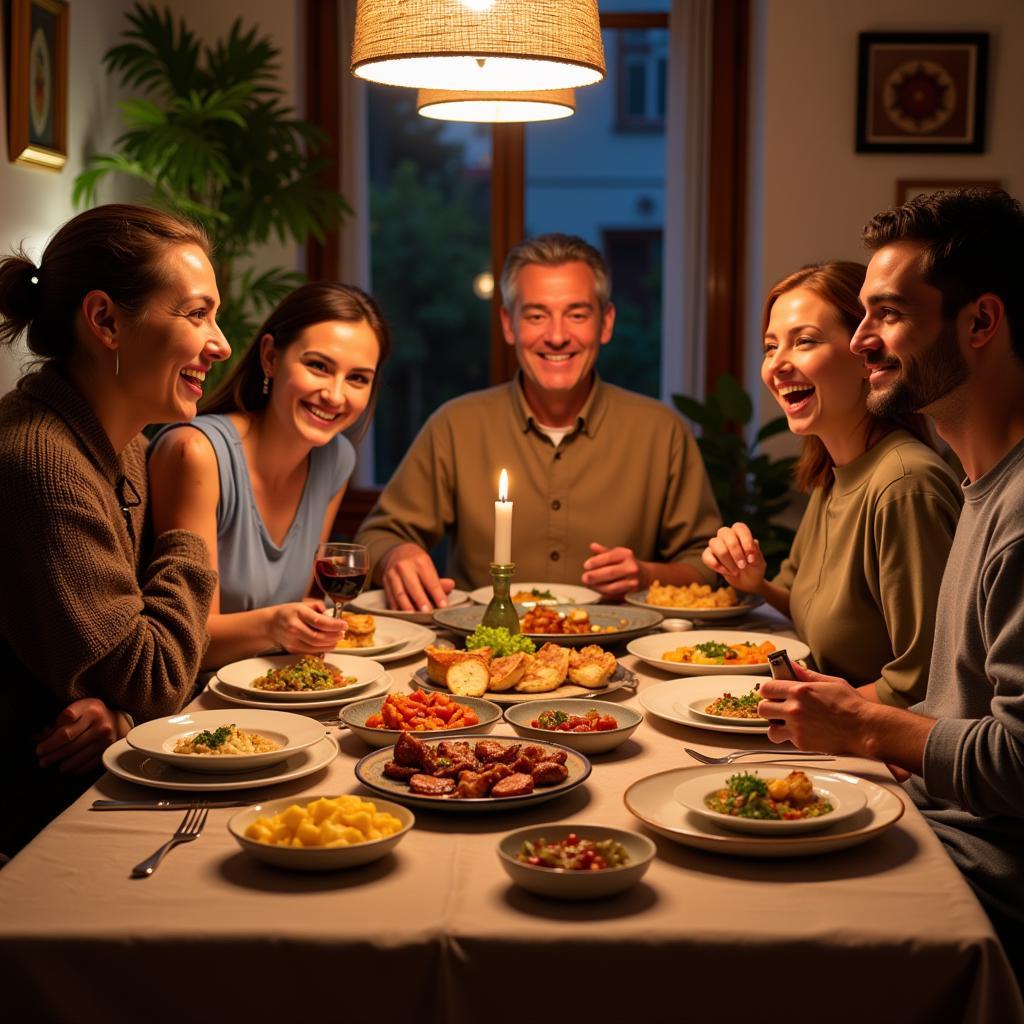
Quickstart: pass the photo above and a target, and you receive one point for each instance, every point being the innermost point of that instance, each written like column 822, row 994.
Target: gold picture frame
column 907, row 188
column 37, row 83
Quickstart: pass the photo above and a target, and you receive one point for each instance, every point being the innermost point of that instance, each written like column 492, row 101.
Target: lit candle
column 503, row 523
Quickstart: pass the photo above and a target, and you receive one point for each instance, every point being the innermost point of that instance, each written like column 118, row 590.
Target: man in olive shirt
column 943, row 333
column 608, row 486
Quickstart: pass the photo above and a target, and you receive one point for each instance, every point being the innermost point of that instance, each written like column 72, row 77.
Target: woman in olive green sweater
column 862, row 579
column 103, row 622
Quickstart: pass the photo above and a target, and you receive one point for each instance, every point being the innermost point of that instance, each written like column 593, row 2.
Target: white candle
column 503, row 523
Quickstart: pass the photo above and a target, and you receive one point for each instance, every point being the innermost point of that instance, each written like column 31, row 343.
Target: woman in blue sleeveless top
column 260, row 475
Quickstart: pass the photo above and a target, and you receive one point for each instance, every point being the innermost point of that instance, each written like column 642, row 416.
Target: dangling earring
column 266, row 384
column 117, row 362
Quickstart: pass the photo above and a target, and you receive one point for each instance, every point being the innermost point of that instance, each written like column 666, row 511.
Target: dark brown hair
column 973, row 241
column 838, row 282
column 308, row 305
column 118, row 249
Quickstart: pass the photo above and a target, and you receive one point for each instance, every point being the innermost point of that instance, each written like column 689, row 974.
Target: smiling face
column 323, row 380
column 809, row 369
column 165, row 351
column 913, row 354
column 557, row 328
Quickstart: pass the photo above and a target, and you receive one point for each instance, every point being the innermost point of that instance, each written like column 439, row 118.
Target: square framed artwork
column 907, row 188
column 37, row 83
column 921, row 92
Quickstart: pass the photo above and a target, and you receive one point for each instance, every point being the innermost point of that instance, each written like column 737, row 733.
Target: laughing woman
column 260, row 475
column 97, row 618
column 862, row 579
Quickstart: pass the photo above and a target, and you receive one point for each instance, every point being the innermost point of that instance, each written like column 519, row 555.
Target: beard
column 923, row 380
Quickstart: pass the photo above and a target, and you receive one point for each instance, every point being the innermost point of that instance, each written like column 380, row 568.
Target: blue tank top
column 254, row 571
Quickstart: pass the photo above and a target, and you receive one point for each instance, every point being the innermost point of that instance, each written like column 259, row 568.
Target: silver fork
column 780, row 756
column 190, row 828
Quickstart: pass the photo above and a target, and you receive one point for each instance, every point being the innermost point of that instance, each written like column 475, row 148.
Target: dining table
column 887, row 930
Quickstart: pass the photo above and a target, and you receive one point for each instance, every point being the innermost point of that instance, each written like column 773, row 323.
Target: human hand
column 411, row 582
column 80, row 734
column 613, row 571
column 735, row 554
column 300, row 628
column 813, row 712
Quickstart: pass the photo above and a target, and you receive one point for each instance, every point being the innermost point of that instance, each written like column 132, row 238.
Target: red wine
column 339, row 581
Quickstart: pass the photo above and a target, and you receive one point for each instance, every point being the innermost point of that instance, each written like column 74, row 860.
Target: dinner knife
column 163, row 805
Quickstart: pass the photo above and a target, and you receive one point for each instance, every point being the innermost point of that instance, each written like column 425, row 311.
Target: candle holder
column 501, row 611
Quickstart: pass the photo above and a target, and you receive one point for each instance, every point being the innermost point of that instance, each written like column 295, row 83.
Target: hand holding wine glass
column 341, row 571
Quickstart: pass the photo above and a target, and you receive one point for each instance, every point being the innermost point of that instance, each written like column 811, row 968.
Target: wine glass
column 341, row 571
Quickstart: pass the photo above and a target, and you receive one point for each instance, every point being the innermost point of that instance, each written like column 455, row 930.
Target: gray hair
column 554, row 250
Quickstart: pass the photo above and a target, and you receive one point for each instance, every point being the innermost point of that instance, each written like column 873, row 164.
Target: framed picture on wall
column 907, row 188
column 921, row 92
column 37, row 83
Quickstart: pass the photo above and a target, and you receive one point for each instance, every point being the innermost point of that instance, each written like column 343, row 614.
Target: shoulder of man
column 473, row 403
column 649, row 410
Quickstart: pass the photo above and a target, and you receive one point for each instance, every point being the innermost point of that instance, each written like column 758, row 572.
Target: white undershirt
column 555, row 433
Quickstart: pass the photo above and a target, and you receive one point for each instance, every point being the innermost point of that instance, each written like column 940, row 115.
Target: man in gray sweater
column 943, row 333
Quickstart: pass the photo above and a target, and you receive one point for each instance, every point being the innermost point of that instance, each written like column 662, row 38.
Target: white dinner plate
column 133, row 766
column 157, row 738
column 375, row 603
column 562, row 593
column 747, row 603
column 391, row 634
column 652, row 649
column 846, row 800
column 242, row 675
column 652, row 800
column 673, row 701
column 233, row 696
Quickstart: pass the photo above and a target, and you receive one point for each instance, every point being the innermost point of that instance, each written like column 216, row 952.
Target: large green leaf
column 734, row 402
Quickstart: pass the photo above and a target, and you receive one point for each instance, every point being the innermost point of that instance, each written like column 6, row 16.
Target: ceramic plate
column 652, row 800
column 388, row 634
column 242, row 676
column 375, row 602
column 519, row 716
column 846, row 800
column 324, row 858
column 133, row 766
column 622, row 678
column 673, row 701
column 748, row 602
column 355, row 716
column 628, row 623
column 370, row 772
column 159, row 737
column 652, row 649
column 233, row 696
column 561, row 593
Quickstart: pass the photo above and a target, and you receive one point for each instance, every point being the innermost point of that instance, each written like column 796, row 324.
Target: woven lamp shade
column 538, row 105
column 479, row 45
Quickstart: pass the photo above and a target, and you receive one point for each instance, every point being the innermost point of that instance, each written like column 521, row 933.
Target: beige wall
column 810, row 193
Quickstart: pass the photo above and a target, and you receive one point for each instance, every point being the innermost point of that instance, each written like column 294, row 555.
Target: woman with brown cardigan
column 98, row 621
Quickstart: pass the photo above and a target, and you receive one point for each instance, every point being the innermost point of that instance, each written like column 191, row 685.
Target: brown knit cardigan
column 88, row 607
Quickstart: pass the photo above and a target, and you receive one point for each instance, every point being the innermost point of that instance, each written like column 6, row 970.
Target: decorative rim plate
column 673, row 700
column 241, row 675
column 519, row 717
column 846, row 800
column 652, row 800
column 622, row 678
column 637, row 621
column 302, row 858
column 355, row 716
column 375, row 602
column 747, row 604
column 158, row 738
column 651, row 648
column 564, row 593
column 233, row 696
column 370, row 772
column 133, row 766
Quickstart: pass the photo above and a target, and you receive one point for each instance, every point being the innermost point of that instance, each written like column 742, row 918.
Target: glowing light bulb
column 478, row 5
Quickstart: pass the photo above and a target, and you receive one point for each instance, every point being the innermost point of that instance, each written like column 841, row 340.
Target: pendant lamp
column 479, row 45
column 496, row 107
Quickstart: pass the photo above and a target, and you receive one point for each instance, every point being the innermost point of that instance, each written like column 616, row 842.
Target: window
column 642, row 71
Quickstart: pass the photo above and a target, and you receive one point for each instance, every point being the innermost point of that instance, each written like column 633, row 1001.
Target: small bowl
column 355, row 716
column 302, row 858
column 576, row 885
column 676, row 625
column 519, row 716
